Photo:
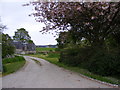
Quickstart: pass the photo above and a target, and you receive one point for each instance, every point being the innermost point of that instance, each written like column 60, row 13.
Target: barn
column 24, row 48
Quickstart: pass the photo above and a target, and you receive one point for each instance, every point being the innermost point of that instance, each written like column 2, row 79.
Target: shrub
column 51, row 50
column 75, row 56
column 4, row 68
column 57, row 49
column 96, row 60
column 14, row 59
column 10, row 63
column 104, row 63
column 53, row 55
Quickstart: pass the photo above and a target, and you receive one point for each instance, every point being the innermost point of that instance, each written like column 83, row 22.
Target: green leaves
column 22, row 35
column 7, row 46
column 93, row 21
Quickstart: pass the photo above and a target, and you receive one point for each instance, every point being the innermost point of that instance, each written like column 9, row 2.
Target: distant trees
column 22, row 36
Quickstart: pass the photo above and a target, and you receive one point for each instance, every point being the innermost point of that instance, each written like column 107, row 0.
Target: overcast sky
column 15, row 16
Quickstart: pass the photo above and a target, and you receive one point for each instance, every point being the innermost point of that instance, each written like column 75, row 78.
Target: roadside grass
column 11, row 65
column 38, row 62
column 45, row 49
column 55, row 60
column 0, row 74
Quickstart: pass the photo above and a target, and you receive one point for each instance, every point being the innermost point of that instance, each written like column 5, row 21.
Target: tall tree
column 62, row 40
column 22, row 36
column 94, row 21
column 7, row 45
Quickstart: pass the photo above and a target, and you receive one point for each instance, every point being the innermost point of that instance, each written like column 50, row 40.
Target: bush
column 75, row 56
column 4, row 69
column 53, row 55
column 14, row 59
column 96, row 60
column 57, row 49
column 104, row 63
column 12, row 64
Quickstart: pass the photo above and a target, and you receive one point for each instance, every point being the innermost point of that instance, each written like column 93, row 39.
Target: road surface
column 47, row 75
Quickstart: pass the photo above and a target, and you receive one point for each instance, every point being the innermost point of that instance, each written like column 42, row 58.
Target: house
column 24, row 48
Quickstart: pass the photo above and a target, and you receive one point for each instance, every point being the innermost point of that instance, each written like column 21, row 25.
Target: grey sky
column 15, row 16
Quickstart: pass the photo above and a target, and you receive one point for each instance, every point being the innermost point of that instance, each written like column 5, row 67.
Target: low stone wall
column 30, row 52
column 19, row 51
column 43, row 52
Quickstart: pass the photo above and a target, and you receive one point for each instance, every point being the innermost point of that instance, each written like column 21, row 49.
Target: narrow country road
column 46, row 75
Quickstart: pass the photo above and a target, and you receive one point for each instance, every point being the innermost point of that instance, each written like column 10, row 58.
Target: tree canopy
column 21, row 35
column 95, row 21
column 7, row 45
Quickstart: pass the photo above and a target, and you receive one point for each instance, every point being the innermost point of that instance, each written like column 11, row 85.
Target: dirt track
column 47, row 75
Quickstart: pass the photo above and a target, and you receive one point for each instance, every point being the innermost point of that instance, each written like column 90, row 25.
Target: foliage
column 104, row 63
column 44, row 49
column 57, row 49
column 22, row 36
column 94, row 21
column 53, row 55
column 11, row 65
column 76, row 56
column 14, row 59
column 98, row 61
column 7, row 46
column 91, row 26
column 62, row 40
column 30, row 41
column 114, row 40
column 69, row 39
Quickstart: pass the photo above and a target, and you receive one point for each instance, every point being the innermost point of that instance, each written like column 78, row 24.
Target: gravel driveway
column 47, row 75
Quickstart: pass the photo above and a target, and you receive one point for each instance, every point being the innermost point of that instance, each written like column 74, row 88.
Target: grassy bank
column 53, row 58
column 0, row 74
column 45, row 49
column 11, row 65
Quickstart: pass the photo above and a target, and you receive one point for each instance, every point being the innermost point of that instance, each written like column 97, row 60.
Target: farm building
column 24, row 48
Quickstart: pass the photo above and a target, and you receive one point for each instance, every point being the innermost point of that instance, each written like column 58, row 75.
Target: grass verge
column 78, row 69
column 12, row 66
column 0, row 74
column 45, row 49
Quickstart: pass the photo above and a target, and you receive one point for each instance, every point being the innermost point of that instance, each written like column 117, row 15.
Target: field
column 45, row 49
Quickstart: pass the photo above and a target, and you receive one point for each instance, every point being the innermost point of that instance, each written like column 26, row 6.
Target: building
column 24, row 48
